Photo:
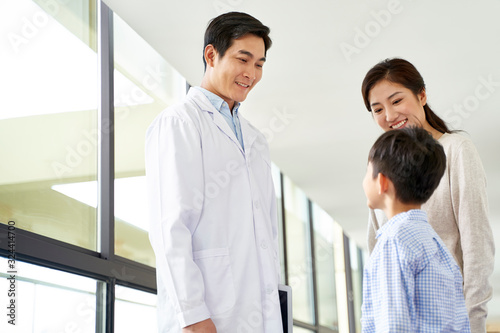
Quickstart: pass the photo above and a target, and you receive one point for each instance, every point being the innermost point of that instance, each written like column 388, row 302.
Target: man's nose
column 250, row 73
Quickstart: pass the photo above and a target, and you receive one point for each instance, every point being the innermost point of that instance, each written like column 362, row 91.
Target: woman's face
column 394, row 106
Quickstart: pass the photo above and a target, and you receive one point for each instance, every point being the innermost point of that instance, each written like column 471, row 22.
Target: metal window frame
column 348, row 278
column 313, row 263
column 105, row 305
column 283, row 227
column 103, row 265
column 317, row 326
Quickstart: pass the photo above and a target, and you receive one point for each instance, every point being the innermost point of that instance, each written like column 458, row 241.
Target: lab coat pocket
column 215, row 266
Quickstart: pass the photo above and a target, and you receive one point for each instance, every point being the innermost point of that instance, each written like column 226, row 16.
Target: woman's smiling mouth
column 399, row 124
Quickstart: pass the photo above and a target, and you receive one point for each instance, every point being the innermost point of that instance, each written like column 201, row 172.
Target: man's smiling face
column 238, row 71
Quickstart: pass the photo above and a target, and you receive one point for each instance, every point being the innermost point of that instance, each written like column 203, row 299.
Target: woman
column 394, row 92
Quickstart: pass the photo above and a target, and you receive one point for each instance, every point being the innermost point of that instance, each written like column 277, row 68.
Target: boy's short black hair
column 412, row 159
column 225, row 28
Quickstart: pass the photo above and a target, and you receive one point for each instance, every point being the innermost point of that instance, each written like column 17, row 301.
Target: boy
column 411, row 282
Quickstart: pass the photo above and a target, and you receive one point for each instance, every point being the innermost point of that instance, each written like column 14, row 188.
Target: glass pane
column 48, row 300
column 298, row 247
column 297, row 329
column 357, row 281
column 131, row 304
column 277, row 188
column 145, row 84
column 340, row 278
column 48, row 118
column 325, row 267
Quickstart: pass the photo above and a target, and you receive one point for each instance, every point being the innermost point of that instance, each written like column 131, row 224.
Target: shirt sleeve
column 470, row 206
column 392, row 290
column 174, row 173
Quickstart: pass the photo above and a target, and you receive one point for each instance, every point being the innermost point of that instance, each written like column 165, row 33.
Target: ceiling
column 309, row 102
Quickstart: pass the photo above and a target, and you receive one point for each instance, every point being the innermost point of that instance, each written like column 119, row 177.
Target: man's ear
column 210, row 54
column 383, row 183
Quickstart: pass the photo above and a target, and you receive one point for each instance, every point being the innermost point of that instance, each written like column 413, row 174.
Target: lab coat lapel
column 204, row 104
column 248, row 132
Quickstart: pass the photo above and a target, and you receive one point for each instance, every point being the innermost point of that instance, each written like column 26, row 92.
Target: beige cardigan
column 458, row 212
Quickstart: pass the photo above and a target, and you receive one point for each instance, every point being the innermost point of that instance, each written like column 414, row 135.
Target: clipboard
column 285, row 294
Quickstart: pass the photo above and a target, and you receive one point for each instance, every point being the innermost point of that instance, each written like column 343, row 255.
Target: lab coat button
column 269, row 290
column 256, row 204
column 263, row 245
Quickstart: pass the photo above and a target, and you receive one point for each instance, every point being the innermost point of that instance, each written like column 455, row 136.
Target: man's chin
column 240, row 99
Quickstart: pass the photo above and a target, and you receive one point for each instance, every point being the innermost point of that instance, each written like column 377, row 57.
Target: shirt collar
column 219, row 103
column 413, row 214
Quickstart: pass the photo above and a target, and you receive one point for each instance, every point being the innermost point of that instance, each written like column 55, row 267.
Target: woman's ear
column 422, row 97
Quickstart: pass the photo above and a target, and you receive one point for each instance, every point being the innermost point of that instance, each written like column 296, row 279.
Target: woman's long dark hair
column 400, row 71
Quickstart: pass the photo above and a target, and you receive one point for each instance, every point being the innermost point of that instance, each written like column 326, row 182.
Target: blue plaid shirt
column 411, row 281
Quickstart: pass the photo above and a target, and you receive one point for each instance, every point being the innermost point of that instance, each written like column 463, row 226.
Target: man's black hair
column 225, row 28
column 412, row 159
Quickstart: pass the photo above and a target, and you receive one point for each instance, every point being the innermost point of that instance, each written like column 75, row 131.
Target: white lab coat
column 213, row 221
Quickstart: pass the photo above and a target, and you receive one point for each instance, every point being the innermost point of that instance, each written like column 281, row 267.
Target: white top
column 458, row 212
column 213, row 221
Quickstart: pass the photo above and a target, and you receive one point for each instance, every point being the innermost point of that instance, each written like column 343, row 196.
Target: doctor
column 212, row 202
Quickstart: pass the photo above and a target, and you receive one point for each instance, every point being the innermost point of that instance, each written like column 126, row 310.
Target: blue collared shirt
column 233, row 119
column 411, row 281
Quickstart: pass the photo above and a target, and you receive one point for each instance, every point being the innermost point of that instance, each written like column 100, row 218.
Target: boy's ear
column 210, row 54
column 383, row 183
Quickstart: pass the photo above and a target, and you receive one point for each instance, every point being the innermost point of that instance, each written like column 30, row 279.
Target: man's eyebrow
column 397, row 92
column 248, row 53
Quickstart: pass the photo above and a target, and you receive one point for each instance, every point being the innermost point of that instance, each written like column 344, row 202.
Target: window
column 49, row 117
column 325, row 267
column 276, row 174
column 48, row 300
column 297, row 329
column 340, row 278
column 135, row 310
column 49, row 190
column 145, row 84
column 298, row 251
column 356, row 256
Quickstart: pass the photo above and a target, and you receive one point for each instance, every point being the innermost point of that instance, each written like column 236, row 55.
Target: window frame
column 102, row 265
